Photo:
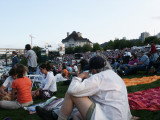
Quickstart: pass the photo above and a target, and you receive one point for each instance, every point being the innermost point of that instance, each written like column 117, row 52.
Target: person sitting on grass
column 21, row 91
column 102, row 96
column 141, row 65
column 48, row 86
column 133, row 62
column 60, row 77
column 8, row 84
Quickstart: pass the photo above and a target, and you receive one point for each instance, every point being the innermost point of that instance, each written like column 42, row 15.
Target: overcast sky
column 98, row 20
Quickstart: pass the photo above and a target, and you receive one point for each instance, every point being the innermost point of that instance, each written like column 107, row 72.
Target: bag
column 45, row 94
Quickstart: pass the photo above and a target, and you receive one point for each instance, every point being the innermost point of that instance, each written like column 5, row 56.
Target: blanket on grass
column 145, row 100
column 143, row 80
column 48, row 105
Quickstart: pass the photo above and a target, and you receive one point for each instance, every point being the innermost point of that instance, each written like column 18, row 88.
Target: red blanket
column 145, row 100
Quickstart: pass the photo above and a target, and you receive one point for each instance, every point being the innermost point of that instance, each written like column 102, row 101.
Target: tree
column 96, row 47
column 138, row 42
column 86, row 48
column 109, row 46
column 154, row 39
column 37, row 50
column 78, row 49
column 69, row 50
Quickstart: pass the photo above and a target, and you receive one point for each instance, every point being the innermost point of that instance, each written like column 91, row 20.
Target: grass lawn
column 21, row 114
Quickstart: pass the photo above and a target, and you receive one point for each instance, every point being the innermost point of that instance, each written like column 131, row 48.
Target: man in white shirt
column 103, row 96
column 31, row 59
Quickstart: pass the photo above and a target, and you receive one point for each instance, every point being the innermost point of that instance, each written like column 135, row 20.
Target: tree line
column 112, row 45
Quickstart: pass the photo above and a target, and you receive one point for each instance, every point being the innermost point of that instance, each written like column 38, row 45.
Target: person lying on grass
column 22, row 87
column 102, row 96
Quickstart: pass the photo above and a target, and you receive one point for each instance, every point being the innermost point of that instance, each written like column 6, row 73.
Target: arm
column 4, row 86
column 35, row 93
column 2, row 90
column 13, row 94
column 49, row 80
column 26, row 54
column 87, row 87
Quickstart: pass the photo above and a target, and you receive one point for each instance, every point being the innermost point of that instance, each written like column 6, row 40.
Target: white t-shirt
column 128, row 54
column 49, row 83
column 75, row 68
column 31, row 58
column 108, row 91
column 8, row 83
column 59, row 77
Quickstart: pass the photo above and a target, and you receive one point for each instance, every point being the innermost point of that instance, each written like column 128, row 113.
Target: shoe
column 46, row 114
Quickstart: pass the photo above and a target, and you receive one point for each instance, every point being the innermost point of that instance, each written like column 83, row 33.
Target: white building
column 158, row 35
column 75, row 39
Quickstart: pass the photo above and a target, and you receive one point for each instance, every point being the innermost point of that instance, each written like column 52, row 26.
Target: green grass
column 21, row 114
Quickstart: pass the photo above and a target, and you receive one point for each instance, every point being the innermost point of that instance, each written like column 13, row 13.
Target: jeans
column 134, row 69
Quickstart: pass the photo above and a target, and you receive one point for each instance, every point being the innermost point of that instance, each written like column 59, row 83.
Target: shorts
column 90, row 111
column 14, row 104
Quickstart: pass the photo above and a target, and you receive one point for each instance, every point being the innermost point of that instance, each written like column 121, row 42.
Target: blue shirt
column 144, row 59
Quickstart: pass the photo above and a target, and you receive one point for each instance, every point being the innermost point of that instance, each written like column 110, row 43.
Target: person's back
column 59, row 77
column 15, row 59
column 111, row 96
column 31, row 58
column 23, row 86
column 21, row 91
column 108, row 92
column 144, row 60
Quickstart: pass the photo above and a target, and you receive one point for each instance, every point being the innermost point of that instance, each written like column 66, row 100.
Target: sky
column 48, row 21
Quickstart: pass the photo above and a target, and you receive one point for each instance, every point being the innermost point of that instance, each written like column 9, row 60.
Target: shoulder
column 50, row 74
column 9, row 78
column 26, row 78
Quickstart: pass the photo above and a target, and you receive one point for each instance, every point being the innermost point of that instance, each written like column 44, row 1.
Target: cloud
column 157, row 17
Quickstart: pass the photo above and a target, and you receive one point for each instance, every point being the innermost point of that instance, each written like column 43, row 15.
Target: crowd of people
column 95, row 85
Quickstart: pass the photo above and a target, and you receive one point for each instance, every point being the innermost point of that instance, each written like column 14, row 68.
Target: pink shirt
column 133, row 61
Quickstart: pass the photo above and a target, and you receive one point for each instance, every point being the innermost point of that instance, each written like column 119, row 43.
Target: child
column 22, row 86
column 7, row 84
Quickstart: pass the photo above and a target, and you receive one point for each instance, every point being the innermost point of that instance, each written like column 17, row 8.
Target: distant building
column 143, row 36
column 75, row 39
column 124, row 38
column 158, row 35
